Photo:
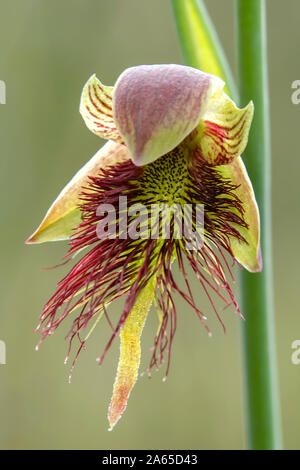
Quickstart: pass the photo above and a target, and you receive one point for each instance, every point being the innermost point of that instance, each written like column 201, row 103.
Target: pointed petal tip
column 119, row 401
column 130, row 354
column 250, row 264
column 113, row 418
column 30, row 240
column 34, row 237
column 64, row 214
column 49, row 232
column 112, row 424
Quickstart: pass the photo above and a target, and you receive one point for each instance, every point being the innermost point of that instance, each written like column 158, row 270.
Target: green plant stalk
column 200, row 45
column 201, row 48
column 257, row 289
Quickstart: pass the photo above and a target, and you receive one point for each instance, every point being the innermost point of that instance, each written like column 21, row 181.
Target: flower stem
column 257, row 289
column 200, row 44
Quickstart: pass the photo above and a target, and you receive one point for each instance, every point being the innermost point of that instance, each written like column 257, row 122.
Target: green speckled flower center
column 166, row 179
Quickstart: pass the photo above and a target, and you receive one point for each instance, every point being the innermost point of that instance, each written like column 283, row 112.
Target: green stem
column 199, row 41
column 257, row 289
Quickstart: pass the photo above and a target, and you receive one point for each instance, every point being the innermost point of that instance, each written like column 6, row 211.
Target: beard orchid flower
column 175, row 140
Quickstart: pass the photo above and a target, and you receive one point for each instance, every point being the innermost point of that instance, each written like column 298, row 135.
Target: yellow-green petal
column 130, row 354
column 248, row 255
column 223, row 130
column 64, row 214
column 96, row 109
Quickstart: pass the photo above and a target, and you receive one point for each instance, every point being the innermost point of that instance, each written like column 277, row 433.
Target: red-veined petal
column 223, row 130
column 96, row 109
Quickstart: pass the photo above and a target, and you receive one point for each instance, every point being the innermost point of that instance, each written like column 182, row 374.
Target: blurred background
column 47, row 52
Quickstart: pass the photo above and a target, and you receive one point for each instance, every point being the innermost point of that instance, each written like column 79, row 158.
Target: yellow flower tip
column 118, row 405
column 55, row 230
column 31, row 240
column 130, row 354
column 34, row 238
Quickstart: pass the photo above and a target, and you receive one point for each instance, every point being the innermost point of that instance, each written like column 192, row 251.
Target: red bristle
column 115, row 267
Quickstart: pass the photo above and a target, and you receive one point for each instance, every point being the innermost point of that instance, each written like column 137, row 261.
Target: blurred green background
column 47, row 52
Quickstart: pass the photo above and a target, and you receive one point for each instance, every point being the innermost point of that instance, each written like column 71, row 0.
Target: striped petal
column 130, row 354
column 64, row 214
column 96, row 109
column 223, row 130
column 222, row 136
column 156, row 106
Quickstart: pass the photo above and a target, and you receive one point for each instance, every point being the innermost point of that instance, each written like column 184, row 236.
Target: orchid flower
column 175, row 138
